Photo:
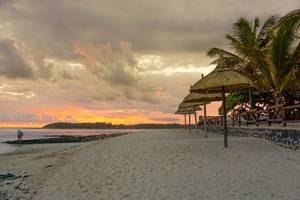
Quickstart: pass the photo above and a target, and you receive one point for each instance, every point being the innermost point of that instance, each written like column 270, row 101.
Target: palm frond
column 231, row 61
column 282, row 40
column 236, row 45
column 287, row 79
column 263, row 37
column 214, row 51
column 242, row 30
column 296, row 56
column 287, row 17
column 255, row 25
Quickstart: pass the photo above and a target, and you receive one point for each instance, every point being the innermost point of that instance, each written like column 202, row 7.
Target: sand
column 156, row 164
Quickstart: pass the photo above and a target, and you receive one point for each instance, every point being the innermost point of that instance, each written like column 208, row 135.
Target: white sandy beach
column 160, row 164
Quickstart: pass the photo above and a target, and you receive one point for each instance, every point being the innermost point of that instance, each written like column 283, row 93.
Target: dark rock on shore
column 11, row 177
column 65, row 139
column 8, row 176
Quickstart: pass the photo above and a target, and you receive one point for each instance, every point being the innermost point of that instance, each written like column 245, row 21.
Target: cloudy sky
column 110, row 60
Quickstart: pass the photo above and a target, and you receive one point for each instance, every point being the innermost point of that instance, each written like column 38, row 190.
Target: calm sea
column 11, row 134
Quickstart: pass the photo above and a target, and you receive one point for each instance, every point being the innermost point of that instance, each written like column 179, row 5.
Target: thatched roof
column 187, row 108
column 222, row 76
column 190, row 105
column 201, row 98
column 185, row 111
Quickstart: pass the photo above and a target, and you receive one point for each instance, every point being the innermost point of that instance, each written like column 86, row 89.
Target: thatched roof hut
column 223, row 79
column 201, row 98
column 194, row 105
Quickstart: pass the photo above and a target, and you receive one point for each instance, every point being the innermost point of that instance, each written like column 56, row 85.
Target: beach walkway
column 154, row 164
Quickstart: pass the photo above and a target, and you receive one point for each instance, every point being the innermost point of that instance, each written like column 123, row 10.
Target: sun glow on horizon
column 79, row 115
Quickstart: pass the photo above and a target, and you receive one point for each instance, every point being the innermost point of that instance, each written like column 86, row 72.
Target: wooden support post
column 184, row 121
column 224, row 117
column 205, row 119
column 189, row 122
column 196, row 124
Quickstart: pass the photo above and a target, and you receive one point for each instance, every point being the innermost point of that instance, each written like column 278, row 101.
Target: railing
column 273, row 114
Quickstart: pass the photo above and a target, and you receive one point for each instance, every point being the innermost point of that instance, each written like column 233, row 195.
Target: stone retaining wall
column 287, row 138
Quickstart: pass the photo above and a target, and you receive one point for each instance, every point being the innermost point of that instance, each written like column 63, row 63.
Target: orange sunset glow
column 110, row 116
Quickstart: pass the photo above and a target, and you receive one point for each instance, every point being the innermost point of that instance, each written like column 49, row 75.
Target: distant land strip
column 104, row 125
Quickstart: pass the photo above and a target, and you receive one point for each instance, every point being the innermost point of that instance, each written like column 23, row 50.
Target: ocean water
column 11, row 134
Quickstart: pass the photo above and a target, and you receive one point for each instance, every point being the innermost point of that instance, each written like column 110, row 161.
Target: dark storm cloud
column 45, row 71
column 54, row 28
column 12, row 65
column 115, row 65
column 158, row 25
column 5, row 3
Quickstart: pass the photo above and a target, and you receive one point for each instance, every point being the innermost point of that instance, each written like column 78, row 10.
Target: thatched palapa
column 203, row 99
column 200, row 99
column 223, row 79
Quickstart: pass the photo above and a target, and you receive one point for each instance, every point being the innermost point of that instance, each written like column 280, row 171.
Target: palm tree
column 269, row 55
column 248, row 42
column 283, row 56
column 289, row 15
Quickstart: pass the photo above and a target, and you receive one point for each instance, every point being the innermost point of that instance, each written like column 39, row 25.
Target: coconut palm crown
column 269, row 55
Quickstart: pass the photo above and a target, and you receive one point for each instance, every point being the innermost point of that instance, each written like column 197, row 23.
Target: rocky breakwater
column 64, row 139
column 287, row 138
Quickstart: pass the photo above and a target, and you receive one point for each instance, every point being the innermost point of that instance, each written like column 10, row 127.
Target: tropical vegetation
column 269, row 54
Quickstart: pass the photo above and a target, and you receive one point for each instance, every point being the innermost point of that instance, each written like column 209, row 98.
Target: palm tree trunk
column 278, row 98
column 251, row 101
column 224, row 117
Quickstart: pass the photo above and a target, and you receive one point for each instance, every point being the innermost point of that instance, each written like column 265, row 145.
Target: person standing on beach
column 20, row 134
